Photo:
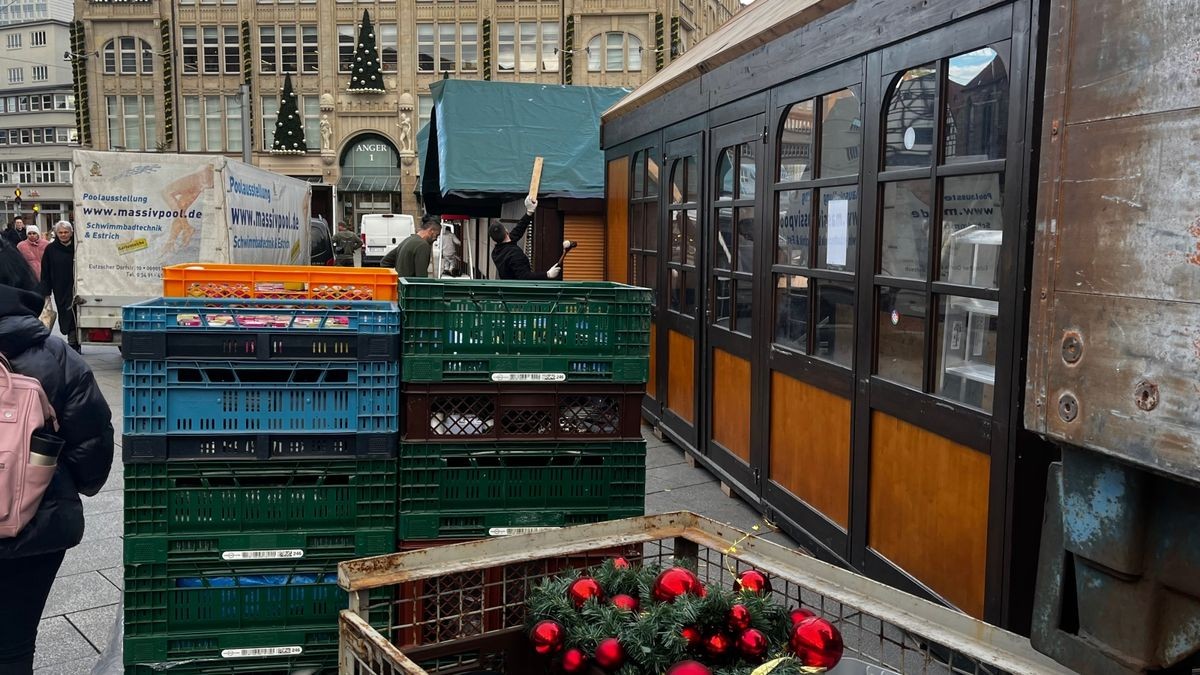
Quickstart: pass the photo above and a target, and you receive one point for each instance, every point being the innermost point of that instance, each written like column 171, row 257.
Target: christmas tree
column 365, row 74
column 289, row 128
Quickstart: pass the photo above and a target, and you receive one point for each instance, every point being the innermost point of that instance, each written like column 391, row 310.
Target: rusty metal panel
column 1114, row 346
column 1133, row 392
column 1133, row 58
column 1129, row 218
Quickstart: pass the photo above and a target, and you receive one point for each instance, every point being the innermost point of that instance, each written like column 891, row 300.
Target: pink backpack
column 28, row 453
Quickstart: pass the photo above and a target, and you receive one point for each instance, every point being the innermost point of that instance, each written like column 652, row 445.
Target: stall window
column 816, row 227
column 682, row 212
column 733, row 243
column 937, row 295
column 643, row 220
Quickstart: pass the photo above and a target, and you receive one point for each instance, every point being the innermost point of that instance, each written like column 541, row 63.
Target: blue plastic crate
column 206, row 314
column 203, row 397
column 202, row 328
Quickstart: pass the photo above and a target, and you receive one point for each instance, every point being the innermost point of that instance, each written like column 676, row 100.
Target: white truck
column 136, row 213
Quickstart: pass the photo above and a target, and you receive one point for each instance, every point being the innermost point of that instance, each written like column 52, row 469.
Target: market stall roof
column 477, row 150
column 751, row 28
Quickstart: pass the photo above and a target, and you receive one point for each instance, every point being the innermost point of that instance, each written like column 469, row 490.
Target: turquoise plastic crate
column 202, row 397
column 202, row 328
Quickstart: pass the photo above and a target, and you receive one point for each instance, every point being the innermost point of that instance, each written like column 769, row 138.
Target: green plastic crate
column 499, row 368
column 180, row 598
column 465, row 490
column 289, row 651
column 468, row 331
column 334, row 545
column 182, row 498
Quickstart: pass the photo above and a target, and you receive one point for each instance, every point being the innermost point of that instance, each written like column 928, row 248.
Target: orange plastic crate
column 210, row 280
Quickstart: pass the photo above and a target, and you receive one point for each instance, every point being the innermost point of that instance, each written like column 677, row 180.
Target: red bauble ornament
column 816, row 643
column 610, row 655
column 753, row 644
column 799, row 614
column 692, row 635
column 547, row 637
column 738, row 619
column 689, row 668
column 582, row 589
column 674, row 582
column 717, row 645
column 752, row 581
column 574, row 661
column 625, row 602
column 620, row 563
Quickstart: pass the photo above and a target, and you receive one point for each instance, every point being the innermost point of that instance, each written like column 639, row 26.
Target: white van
column 382, row 232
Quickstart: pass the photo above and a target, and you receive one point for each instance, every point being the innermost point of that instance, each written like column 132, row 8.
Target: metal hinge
column 757, row 476
column 764, row 134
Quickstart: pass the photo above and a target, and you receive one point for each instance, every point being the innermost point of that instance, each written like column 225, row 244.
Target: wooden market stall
column 843, row 353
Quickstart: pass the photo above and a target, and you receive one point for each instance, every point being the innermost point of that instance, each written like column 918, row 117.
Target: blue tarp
column 477, row 150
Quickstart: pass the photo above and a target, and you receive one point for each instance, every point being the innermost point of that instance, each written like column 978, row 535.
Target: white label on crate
column 505, row 531
column 273, row 554
column 260, row 651
column 529, row 377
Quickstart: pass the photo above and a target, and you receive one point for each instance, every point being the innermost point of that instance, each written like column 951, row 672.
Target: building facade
column 167, row 74
column 37, row 111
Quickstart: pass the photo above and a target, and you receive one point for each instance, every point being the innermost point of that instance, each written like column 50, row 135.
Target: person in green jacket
column 413, row 254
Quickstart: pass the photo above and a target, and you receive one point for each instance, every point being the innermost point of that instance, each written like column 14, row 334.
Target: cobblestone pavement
column 82, row 608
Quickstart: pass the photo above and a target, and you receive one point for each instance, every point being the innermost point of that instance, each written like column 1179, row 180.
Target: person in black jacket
column 29, row 561
column 511, row 262
column 15, row 232
column 58, row 277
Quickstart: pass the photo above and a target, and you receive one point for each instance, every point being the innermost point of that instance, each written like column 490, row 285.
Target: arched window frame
column 626, row 47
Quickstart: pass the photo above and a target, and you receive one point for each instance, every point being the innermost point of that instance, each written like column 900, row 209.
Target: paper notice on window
column 837, row 233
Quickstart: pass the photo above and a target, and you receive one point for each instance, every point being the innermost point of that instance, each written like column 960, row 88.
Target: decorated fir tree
column 365, row 75
column 289, row 128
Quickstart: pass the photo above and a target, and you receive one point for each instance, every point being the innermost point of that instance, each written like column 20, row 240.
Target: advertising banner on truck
column 136, row 213
column 268, row 216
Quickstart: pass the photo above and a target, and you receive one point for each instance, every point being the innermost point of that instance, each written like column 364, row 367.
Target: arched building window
column 128, row 55
column 614, row 52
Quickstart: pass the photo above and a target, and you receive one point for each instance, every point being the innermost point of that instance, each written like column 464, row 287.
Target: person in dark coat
column 15, row 232
column 511, row 262
column 58, row 277
column 29, row 561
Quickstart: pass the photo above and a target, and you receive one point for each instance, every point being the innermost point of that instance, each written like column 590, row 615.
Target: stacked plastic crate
column 259, row 448
column 522, row 406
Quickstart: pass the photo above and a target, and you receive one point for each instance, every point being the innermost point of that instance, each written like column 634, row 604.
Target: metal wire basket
column 461, row 608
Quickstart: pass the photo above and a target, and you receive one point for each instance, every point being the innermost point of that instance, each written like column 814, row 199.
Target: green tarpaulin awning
column 477, row 150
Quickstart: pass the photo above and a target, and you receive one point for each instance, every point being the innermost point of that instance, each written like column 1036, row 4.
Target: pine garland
column 652, row 637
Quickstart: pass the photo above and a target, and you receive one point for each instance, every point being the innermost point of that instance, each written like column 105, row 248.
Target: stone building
column 37, row 104
column 167, row 75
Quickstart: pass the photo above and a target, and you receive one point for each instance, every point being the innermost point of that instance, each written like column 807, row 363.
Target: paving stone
column 59, row 643
column 103, row 503
column 95, row 624
column 77, row 667
column 93, row 555
column 675, row 476
column 79, row 592
column 663, row 456
column 103, row 526
column 115, row 576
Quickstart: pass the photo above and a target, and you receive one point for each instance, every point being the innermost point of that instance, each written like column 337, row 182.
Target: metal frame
column 364, row 650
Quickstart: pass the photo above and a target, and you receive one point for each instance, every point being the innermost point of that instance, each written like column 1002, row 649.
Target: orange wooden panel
column 586, row 262
column 617, row 228
column 929, row 509
column 810, row 446
column 731, row 403
column 652, row 382
column 681, row 376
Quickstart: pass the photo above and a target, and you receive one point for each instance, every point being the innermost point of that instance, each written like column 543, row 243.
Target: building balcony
column 119, row 9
